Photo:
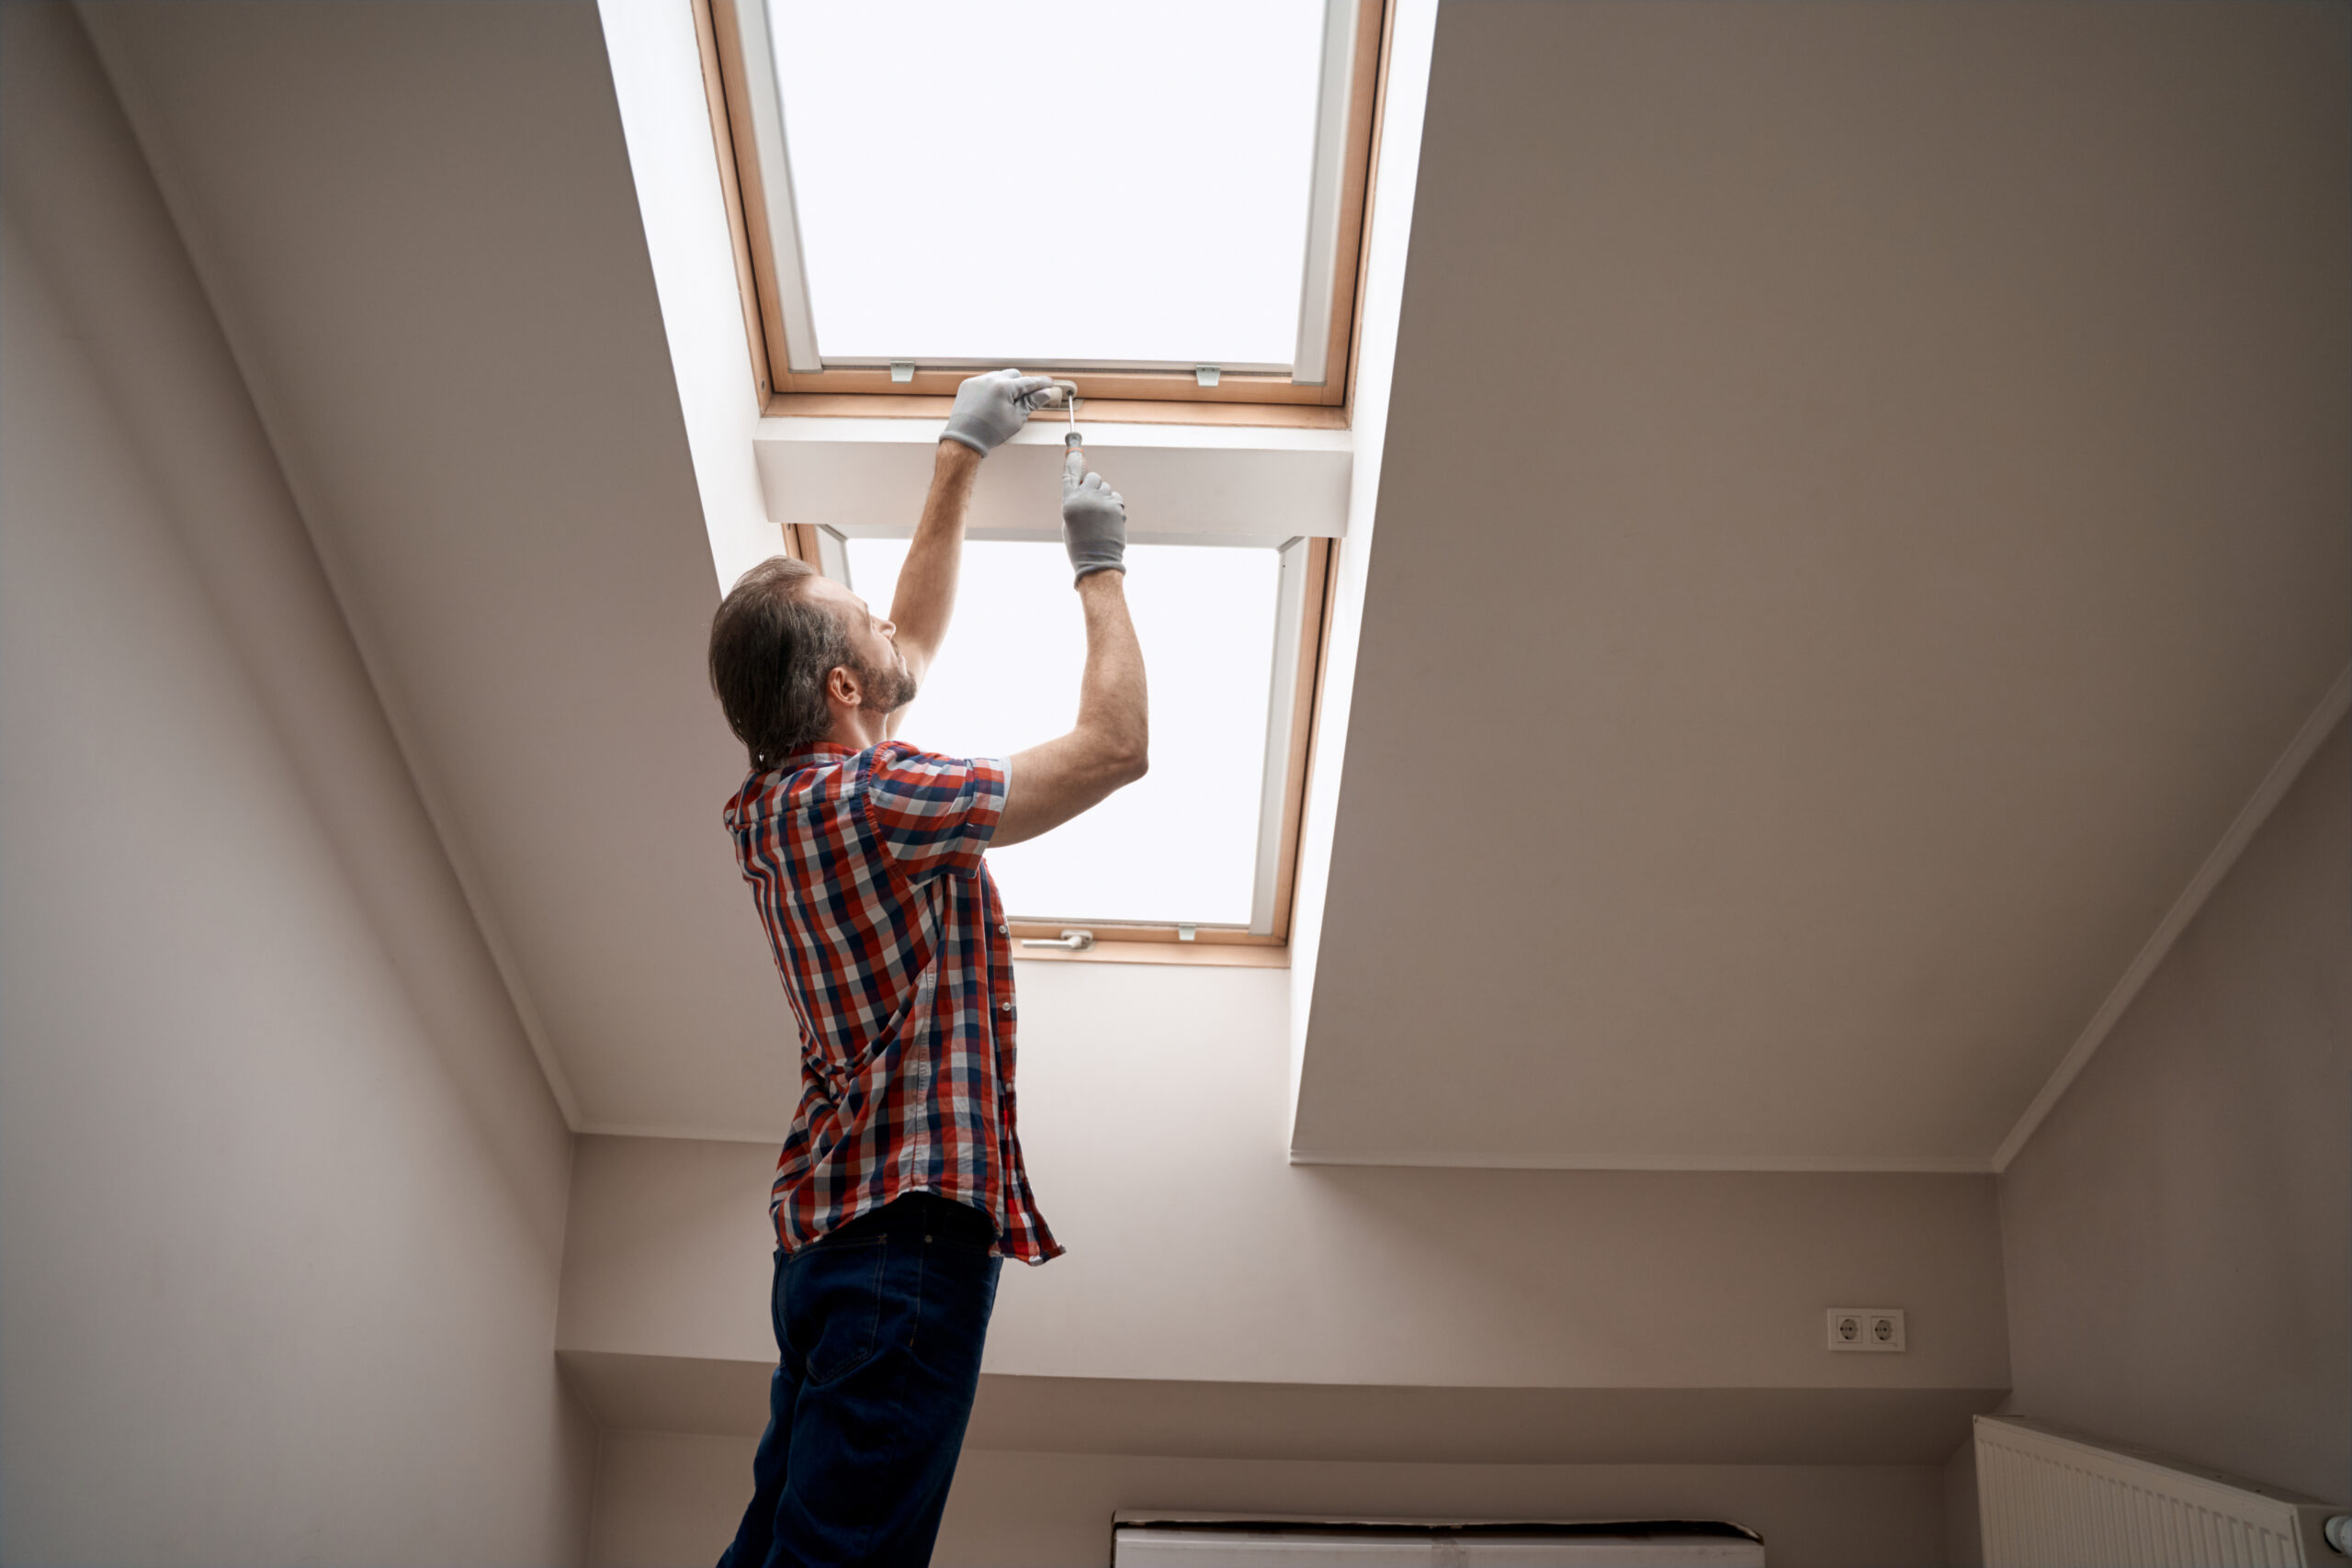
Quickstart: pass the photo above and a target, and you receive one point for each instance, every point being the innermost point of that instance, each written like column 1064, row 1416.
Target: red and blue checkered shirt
column 867, row 870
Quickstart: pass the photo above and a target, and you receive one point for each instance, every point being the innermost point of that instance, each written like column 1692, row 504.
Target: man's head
column 795, row 659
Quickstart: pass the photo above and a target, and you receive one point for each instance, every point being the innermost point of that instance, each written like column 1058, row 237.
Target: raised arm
column 1049, row 785
column 988, row 409
column 925, row 599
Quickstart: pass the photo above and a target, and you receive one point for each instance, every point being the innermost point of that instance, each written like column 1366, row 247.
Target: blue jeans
column 879, row 1326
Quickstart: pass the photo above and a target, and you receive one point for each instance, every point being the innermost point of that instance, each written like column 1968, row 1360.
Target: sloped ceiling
column 1865, row 503
column 418, row 224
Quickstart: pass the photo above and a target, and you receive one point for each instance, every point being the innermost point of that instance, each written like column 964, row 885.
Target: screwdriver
column 1073, row 442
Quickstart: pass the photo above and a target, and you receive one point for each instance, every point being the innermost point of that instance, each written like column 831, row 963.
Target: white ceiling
column 1864, row 505
column 418, row 226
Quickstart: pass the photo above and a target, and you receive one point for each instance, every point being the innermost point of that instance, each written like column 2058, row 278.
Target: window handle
column 1068, row 941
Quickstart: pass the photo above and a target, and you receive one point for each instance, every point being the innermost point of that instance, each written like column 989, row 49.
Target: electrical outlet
column 1878, row 1329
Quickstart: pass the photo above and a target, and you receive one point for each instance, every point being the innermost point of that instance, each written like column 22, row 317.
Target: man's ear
column 841, row 687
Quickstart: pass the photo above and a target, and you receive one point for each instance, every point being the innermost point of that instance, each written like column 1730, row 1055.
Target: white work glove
column 990, row 408
column 1094, row 521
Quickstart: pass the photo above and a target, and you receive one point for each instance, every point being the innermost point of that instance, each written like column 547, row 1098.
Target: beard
column 888, row 687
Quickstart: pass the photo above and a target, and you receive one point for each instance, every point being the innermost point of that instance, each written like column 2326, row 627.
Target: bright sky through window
column 1113, row 182
column 1180, row 845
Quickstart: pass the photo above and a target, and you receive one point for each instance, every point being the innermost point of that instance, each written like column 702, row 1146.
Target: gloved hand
column 990, row 408
column 1094, row 521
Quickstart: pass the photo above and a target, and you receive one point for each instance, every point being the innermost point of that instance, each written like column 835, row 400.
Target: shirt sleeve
column 934, row 815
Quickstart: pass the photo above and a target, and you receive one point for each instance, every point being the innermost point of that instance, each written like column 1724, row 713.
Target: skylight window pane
column 1117, row 182
column 1181, row 845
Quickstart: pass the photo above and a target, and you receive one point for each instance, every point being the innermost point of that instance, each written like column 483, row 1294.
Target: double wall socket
column 1866, row 1328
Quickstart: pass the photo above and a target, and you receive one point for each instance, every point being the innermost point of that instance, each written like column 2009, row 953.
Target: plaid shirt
column 867, row 870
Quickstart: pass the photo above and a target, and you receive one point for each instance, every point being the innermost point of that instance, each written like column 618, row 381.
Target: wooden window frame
column 1133, row 942
column 1118, row 396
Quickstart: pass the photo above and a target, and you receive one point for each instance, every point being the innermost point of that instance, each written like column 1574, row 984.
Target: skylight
column 1186, row 844
column 1052, row 183
column 1161, row 200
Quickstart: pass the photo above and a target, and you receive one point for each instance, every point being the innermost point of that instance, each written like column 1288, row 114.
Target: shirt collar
column 816, row 755
column 753, row 801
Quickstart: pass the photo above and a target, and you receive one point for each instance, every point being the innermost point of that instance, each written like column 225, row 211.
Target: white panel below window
column 1200, row 483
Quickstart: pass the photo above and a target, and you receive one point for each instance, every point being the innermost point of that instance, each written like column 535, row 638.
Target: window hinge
column 903, row 370
column 1206, row 375
column 1068, row 941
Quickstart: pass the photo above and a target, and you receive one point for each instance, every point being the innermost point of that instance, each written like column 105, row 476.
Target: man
column 900, row 1186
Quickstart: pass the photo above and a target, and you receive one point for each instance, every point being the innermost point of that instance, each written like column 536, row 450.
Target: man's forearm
column 926, row 593
column 1109, row 748
column 1113, row 705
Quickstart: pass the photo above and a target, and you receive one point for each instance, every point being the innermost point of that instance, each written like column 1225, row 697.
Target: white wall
column 2177, row 1231
column 1152, row 1112
column 1224, row 1319
column 282, row 1193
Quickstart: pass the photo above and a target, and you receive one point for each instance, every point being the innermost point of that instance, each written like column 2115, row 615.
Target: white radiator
column 2050, row 1500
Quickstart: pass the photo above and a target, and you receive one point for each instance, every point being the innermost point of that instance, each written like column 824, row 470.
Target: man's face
column 884, row 681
